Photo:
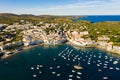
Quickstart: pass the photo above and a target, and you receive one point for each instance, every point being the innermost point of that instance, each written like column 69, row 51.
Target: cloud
column 78, row 7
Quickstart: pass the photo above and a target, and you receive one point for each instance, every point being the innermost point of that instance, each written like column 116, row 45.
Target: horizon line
column 62, row 14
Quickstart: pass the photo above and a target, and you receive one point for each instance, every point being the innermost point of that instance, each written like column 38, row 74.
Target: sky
column 61, row 7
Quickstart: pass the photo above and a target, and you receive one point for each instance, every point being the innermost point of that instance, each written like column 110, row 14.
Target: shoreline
column 96, row 46
column 23, row 49
column 111, row 51
column 68, row 43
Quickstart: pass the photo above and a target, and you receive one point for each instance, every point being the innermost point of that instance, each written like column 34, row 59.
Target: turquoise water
column 56, row 63
column 101, row 18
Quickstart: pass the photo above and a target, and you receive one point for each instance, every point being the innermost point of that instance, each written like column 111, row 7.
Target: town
column 23, row 34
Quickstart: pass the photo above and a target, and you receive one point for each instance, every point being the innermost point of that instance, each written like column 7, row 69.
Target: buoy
column 54, row 59
column 70, row 75
column 110, row 67
column 79, row 73
column 37, row 68
column 73, row 71
column 32, row 68
column 98, row 65
column 78, row 77
column 40, row 72
column 58, row 66
column 53, row 72
column 51, row 67
column 41, row 65
column 6, row 62
column 34, row 75
column 105, row 77
column 104, row 66
column 58, row 74
column 99, row 70
column 117, row 68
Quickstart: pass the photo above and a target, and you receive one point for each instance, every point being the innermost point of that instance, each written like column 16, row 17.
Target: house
column 27, row 40
column 74, row 33
column 1, row 48
column 35, row 42
column 102, row 43
column 103, row 38
column 0, row 27
column 8, row 39
column 84, row 33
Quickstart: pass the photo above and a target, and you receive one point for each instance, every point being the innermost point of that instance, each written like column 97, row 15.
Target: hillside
column 9, row 18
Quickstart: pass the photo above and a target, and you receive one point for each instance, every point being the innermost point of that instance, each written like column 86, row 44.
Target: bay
column 57, row 63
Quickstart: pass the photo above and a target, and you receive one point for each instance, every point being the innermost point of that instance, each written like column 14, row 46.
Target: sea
column 101, row 18
column 57, row 63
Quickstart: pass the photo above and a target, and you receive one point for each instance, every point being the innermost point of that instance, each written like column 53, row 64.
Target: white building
column 103, row 38
column 1, row 48
column 84, row 33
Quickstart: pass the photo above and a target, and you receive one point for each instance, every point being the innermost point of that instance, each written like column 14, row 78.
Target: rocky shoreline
column 16, row 51
column 111, row 51
column 68, row 43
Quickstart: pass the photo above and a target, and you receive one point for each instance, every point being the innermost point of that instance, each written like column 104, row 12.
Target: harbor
column 62, row 62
